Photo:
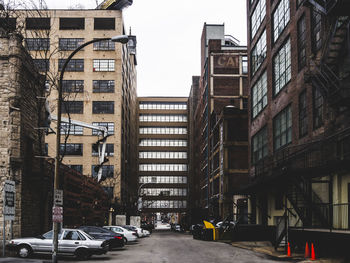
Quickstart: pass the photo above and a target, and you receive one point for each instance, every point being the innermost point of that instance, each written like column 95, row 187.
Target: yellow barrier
column 209, row 225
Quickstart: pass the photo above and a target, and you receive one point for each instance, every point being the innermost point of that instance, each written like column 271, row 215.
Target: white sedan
column 129, row 236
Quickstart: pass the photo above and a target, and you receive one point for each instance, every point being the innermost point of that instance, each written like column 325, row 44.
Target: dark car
column 147, row 226
column 115, row 240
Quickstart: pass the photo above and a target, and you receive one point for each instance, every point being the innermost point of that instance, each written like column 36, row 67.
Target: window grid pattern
column 301, row 42
column 104, row 45
column 281, row 17
column 109, row 149
column 316, row 30
column 103, row 107
column 164, row 204
column 71, row 129
column 163, row 143
column 303, row 124
column 257, row 17
column 259, row 145
column 108, row 125
column 317, row 108
column 72, row 149
column 163, row 130
column 282, row 67
column 77, row 167
column 35, row 44
column 73, row 86
column 163, row 167
column 103, row 65
column 74, row 65
column 107, row 171
column 244, row 65
column 163, row 118
column 164, row 191
column 163, row 155
column 282, row 128
column 162, row 106
column 76, row 107
column 103, row 86
column 66, row 44
column 163, row 179
column 42, row 65
column 259, row 95
column 259, row 52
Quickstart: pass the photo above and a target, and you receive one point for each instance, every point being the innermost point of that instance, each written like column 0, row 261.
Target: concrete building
column 299, row 118
column 99, row 88
column 223, row 82
column 163, row 154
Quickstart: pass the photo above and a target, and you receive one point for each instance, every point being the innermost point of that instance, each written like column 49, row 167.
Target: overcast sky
column 168, row 38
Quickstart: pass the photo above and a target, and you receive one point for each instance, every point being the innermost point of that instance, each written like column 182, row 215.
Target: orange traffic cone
column 307, row 251
column 313, row 256
column 289, row 254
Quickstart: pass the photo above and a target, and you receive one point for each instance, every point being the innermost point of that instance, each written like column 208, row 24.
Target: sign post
column 9, row 197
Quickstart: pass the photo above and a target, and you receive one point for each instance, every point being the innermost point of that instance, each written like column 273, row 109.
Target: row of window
column 163, row 155
column 164, row 191
column 98, row 107
column 98, row 86
column 107, row 170
column 163, row 142
column 163, row 167
column 69, row 23
column 282, row 125
column 163, row 130
column 162, row 106
column 162, row 118
column 77, row 65
column 164, row 204
column 163, row 179
column 77, row 149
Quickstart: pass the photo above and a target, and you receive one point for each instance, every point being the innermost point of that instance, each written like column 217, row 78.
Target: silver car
column 70, row 242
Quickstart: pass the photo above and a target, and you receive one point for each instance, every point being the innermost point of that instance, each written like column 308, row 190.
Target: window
column 70, row 23
column 303, row 124
column 162, row 106
column 109, row 149
column 259, row 145
column 163, row 155
column 70, row 43
column 163, row 143
column 100, row 86
column 301, row 42
column 259, row 52
column 317, row 108
column 9, row 24
column 163, row 179
column 42, row 65
column 282, row 67
column 108, row 125
column 76, row 107
column 104, row 23
column 72, row 149
column 103, row 65
column 108, row 191
column 162, row 118
column 163, row 130
column 104, row 45
column 257, row 17
column 103, row 107
column 73, row 86
column 37, row 44
column 107, row 171
column 77, row 167
column 259, row 95
column 73, row 65
column 37, row 23
column 71, row 129
column 281, row 18
column 163, row 167
column 244, row 65
column 282, row 128
column 316, row 23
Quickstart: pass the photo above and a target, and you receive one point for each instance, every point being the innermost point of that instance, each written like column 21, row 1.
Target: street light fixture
column 123, row 39
column 139, row 201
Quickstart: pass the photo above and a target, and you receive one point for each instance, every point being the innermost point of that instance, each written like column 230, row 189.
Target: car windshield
column 49, row 235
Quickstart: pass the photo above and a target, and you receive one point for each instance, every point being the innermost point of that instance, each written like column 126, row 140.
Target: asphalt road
column 170, row 247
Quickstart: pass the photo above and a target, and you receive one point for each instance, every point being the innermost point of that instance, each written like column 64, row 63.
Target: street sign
column 57, row 214
column 58, row 198
column 9, row 200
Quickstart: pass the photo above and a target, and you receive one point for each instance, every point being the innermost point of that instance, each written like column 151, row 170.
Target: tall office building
column 163, row 154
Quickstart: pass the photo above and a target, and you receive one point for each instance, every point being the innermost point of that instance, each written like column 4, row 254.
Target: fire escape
column 301, row 163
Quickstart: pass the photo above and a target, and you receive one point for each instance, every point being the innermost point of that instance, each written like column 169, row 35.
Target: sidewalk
column 19, row 260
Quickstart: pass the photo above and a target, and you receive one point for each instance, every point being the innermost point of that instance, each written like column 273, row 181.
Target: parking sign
column 9, row 200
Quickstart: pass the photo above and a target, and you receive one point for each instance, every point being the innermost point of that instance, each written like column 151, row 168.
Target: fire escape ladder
column 320, row 5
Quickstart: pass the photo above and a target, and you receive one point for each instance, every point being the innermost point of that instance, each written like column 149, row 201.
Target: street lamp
column 121, row 39
column 139, row 205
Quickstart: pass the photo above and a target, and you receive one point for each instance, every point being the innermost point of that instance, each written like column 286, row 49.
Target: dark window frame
column 263, row 98
column 103, row 107
column 42, row 65
column 284, row 23
column 301, row 41
column 68, row 44
column 71, row 23
column 107, row 171
column 38, row 23
column 109, row 149
column 103, row 86
column 106, row 45
column 303, row 121
column 317, row 108
column 73, row 107
column 104, row 23
column 289, row 67
column 260, row 140
column 74, row 65
column 72, row 149
column 284, row 132
column 37, row 44
column 72, row 86
column 316, row 30
column 257, row 59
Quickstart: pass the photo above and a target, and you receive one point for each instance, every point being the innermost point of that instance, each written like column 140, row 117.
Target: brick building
column 299, row 116
column 223, row 82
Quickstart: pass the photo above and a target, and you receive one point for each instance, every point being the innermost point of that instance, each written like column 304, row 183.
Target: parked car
column 129, row 236
column 115, row 240
column 147, row 226
column 70, row 242
column 138, row 230
column 146, row 233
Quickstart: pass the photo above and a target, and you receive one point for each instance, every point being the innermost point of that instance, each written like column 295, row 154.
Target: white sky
column 168, row 38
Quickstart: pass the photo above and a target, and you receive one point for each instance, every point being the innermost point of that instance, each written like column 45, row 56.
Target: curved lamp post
column 121, row 39
column 139, row 201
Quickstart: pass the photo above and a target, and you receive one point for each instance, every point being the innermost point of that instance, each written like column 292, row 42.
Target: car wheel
column 125, row 240
column 24, row 251
column 82, row 254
